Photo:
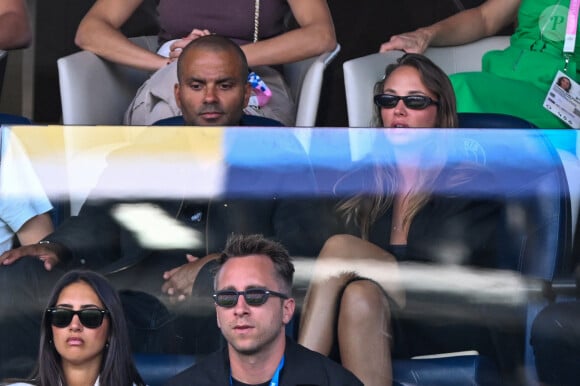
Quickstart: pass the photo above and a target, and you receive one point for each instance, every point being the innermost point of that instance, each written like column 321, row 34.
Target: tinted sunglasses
column 89, row 317
column 253, row 297
column 414, row 102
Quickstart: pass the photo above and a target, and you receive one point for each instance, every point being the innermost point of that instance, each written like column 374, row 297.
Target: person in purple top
column 259, row 27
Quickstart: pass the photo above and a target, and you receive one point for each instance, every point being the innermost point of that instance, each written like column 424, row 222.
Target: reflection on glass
column 146, row 201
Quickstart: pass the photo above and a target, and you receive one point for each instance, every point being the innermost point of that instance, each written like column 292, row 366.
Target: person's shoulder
column 310, row 363
column 206, row 371
column 171, row 121
column 183, row 378
column 312, row 356
column 278, row 146
column 355, row 178
column 255, row 120
column 247, row 120
column 466, row 178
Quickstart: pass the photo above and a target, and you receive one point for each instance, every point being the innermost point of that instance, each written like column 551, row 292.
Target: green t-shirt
column 515, row 81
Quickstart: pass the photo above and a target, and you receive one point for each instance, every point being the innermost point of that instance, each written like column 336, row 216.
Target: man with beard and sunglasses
column 253, row 302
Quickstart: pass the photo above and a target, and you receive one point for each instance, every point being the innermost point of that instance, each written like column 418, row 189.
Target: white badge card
column 563, row 99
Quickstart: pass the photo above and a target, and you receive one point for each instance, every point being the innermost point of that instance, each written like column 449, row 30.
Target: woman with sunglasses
column 516, row 80
column 84, row 338
column 407, row 206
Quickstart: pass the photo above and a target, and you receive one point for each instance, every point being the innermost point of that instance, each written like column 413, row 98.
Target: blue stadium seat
column 492, row 121
column 536, row 237
column 10, row 119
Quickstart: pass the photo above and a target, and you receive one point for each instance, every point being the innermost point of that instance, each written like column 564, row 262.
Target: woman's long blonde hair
column 434, row 79
column 365, row 208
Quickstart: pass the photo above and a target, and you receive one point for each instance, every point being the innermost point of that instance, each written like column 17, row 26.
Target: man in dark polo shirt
column 260, row 196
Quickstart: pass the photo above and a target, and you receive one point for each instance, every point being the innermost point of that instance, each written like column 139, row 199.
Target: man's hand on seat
column 179, row 281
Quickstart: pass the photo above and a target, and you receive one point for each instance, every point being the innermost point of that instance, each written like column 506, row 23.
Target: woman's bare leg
column 319, row 311
column 364, row 333
column 342, row 258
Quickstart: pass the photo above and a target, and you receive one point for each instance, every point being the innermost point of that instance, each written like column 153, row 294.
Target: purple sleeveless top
column 231, row 18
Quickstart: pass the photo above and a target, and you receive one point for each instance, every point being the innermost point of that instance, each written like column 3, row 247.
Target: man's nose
column 241, row 306
column 210, row 95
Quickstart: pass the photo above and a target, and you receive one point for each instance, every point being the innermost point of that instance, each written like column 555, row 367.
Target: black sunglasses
column 89, row 317
column 253, row 297
column 414, row 102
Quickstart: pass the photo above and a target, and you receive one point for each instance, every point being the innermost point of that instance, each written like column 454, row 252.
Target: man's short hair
column 239, row 245
column 215, row 43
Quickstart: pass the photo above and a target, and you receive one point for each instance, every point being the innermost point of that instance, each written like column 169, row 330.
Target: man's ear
column 217, row 318
column 248, row 94
column 288, row 308
column 176, row 95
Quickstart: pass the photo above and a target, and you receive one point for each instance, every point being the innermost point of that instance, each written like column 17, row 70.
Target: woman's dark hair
column 117, row 367
column 434, row 79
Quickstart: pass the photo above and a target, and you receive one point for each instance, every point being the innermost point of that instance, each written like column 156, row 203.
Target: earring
column 107, row 345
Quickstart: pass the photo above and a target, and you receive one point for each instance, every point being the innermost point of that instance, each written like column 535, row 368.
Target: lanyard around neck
column 275, row 378
column 571, row 27
column 571, row 32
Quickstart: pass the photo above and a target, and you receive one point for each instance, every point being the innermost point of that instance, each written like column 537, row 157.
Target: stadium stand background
column 31, row 87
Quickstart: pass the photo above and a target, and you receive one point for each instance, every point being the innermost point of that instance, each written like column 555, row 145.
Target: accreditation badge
column 563, row 99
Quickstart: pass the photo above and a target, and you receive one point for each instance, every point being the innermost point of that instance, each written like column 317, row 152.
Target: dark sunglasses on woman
column 414, row 102
column 253, row 297
column 89, row 317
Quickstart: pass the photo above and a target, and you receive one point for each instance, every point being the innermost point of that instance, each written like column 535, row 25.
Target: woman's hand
column 410, row 42
column 178, row 45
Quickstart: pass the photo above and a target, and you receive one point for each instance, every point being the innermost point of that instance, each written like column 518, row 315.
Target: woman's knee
column 362, row 300
column 336, row 246
column 334, row 263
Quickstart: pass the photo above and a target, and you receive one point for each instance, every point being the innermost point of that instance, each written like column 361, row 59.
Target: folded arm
column 314, row 36
column 100, row 32
column 35, row 229
column 92, row 236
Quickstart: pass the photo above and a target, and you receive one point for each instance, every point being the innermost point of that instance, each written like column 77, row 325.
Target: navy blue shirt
column 247, row 120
